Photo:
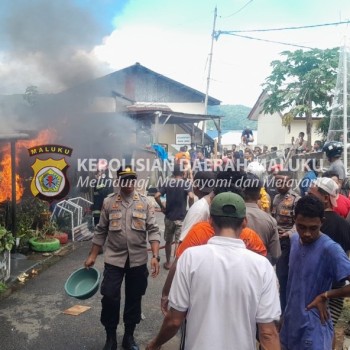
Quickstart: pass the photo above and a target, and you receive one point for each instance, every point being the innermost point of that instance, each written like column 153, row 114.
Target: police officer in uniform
column 283, row 211
column 101, row 190
column 127, row 218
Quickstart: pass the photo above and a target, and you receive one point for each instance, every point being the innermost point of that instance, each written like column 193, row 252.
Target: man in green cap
column 222, row 289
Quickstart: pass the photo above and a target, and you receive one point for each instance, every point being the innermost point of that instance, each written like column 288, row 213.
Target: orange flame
column 5, row 178
column 43, row 137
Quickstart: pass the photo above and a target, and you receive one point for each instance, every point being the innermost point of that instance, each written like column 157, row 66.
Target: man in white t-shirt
column 222, row 289
column 203, row 184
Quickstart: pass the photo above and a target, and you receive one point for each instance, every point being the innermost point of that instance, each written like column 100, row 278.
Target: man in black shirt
column 247, row 136
column 334, row 225
column 176, row 190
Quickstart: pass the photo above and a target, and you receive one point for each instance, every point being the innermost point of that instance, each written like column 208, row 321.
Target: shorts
column 172, row 230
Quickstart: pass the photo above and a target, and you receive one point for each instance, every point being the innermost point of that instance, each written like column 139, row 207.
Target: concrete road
column 32, row 317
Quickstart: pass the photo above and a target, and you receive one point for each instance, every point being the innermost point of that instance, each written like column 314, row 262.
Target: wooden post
column 156, row 127
column 215, row 149
column 13, row 187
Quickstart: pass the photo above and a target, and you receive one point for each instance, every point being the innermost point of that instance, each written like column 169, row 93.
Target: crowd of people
column 247, row 151
column 254, row 261
column 243, row 152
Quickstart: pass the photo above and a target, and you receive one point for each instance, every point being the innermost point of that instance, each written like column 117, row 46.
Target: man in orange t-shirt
column 227, row 183
column 201, row 232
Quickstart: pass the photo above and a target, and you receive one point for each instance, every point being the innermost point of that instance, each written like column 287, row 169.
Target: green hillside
column 234, row 117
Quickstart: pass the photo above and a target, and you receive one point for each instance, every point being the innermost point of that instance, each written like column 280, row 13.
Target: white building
column 271, row 132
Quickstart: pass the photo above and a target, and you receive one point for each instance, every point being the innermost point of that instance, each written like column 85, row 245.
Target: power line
column 284, row 28
column 238, row 11
column 270, row 41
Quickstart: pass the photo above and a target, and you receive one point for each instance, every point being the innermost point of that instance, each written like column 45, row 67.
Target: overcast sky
column 57, row 44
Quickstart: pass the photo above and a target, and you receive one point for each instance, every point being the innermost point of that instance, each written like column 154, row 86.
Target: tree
column 234, row 117
column 323, row 127
column 302, row 85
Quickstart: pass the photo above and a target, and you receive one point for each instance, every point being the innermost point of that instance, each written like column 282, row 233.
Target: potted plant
column 45, row 240
column 25, row 231
column 6, row 243
column 32, row 213
column 61, row 236
column 22, row 245
column 6, row 239
column 51, row 229
column 64, row 224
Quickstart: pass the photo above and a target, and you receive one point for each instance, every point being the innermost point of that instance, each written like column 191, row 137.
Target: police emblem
column 50, row 179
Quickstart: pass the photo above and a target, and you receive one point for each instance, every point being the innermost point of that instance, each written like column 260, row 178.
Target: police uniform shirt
column 283, row 209
column 124, row 226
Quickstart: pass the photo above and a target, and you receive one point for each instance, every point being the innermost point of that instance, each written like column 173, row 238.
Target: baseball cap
column 228, row 204
column 126, row 172
column 205, row 181
column 329, row 186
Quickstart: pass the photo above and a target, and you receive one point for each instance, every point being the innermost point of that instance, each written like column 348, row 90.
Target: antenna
column 338, row 125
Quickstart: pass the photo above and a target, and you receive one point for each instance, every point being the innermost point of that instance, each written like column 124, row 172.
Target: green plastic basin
column 83, row 283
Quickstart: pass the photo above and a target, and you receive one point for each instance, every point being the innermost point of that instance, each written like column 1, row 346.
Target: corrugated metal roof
column 166, row 115
column 137, row 67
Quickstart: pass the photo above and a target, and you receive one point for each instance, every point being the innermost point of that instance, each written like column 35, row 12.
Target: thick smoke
column 48, row 44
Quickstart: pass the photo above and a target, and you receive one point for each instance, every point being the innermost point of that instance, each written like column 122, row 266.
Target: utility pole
column 204, row 128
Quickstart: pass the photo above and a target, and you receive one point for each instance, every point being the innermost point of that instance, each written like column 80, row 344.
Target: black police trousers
column 135, row 288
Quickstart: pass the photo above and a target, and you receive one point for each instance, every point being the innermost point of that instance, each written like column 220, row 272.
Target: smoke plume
column 48, row 42
column 46, row 46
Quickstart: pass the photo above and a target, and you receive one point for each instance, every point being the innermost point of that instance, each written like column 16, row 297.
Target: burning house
column 117, row 114
column 112, row 117
column 15, row 171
